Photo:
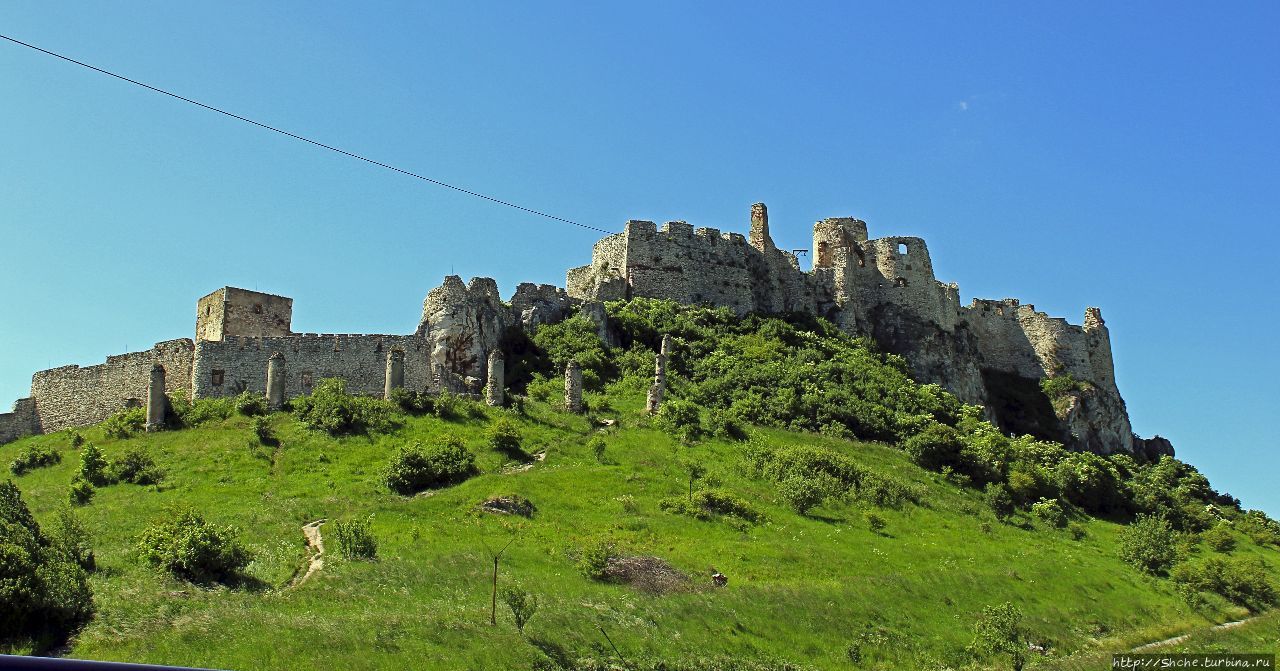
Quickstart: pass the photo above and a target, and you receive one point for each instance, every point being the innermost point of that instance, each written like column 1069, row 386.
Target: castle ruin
column 992, row 353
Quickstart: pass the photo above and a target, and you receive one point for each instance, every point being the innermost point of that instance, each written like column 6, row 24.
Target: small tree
column 696, row 471
column 93, row 466
column 355, row 541
column 1149, row 544
column 999, row 500
column 875, row 522
column 523, row 605
column 997, row 630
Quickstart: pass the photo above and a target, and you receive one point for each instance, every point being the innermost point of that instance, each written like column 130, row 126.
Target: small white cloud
column 963, row 106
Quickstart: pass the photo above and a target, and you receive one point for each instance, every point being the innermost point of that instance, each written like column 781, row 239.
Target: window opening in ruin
column 306, row 380
column 207, row 309
column 900, row 282
column 257, row 308
column 902, row 248
column 217, row 376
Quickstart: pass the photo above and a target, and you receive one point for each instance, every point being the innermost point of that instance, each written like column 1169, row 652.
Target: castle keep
column 992, row 353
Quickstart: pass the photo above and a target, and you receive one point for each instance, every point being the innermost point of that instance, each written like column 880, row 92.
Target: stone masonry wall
column 236, row 364
column 21, row 422
column 230, row 311
column 75, row 396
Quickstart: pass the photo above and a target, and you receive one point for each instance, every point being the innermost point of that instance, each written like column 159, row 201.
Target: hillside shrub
column 250, row 404
column 44, row 591
column 77, row 441
column 999, row 500
column 71, row 540
column 261, row 427
column 415, row 468
column 875, row 522
column 355, row 540
column 1077, row 531
column 135, row 466
column 708, row 504
column 412, row 402
column 938, row 445
column 998, row 631
column 885, row 492
column 1149, row 544
column 523, row 606
column 593, row 558
column 1220, row 538
column 449, row 406
column 125, row 423
column 597, row 446
column 93, row 466
column 1242, row 581
column 1050, row 512
column 504, row 436
column 193, row 549
column 723, row 424
column 679, row 418
column 802, row 493
column 187, row 413
column 331, row 409
column 32, row 457
column 80, row 492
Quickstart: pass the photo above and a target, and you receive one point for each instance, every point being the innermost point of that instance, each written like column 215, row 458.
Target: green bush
column 415, row 468
column 938, row 445
column 187, row 413
column 597, row 446
column 998, row 630
column 354, row 539
column 1149, row 544
column 449, row 406
column 412, row 402
column 125, row 423
column 1050, row 512
column 135, row 466
column 44, row 591
column 77, row 440
column 193, row 549
column 32, row 457
column 1244, row 582
column 1077, row 531
column 250, row 404
column 885, row 492
column 261, row 426
column 93, row 466
column 1220, row 538
column 724, row 424
column 708, row 504
column 999, row 500
column 71, row 541
column 679, row 418
column 523, row 605
column 80, row 492
column 802, row 493
column 504, row 436
column 875, row 522
column 331, row 409
column 594, row 558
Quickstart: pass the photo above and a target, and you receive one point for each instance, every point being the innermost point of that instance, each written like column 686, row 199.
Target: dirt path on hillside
column 1179, row 639
column 315, row 543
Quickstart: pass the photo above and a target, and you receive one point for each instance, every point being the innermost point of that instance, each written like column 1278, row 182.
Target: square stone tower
column 239, row 312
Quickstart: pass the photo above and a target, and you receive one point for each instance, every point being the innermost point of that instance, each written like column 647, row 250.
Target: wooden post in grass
column 497, row 557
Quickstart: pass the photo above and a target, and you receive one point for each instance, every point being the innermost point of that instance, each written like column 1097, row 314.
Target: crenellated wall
column 75, row 396
column 884, row 288
column 239, row 363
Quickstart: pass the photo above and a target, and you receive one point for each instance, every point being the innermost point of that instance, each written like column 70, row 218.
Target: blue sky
column 1067, row 154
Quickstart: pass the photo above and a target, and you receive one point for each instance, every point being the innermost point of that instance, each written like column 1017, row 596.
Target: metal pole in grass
column 497, row 556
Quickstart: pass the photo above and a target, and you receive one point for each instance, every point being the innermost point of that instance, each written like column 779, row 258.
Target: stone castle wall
column 884, row 288
column 23, row 421
column 239, row 363
column 76, row 396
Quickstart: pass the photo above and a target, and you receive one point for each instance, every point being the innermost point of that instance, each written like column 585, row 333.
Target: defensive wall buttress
column 991, row 352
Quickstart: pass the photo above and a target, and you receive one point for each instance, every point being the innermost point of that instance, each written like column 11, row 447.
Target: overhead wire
column 308, row 140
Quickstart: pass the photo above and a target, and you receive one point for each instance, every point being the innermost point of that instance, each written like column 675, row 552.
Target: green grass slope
column 803, row 589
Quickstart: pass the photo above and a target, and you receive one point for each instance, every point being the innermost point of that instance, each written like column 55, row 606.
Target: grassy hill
column 820, row 589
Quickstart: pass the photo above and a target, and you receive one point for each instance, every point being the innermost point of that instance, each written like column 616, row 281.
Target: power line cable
column 305, row 139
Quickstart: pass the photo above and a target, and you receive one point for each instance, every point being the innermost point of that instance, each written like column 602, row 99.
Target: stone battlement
column 883, row 288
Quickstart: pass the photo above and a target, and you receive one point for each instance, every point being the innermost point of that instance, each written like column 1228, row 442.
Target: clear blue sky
column 1068, row 154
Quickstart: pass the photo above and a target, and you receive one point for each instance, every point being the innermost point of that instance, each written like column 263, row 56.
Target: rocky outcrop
column 463, row 323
